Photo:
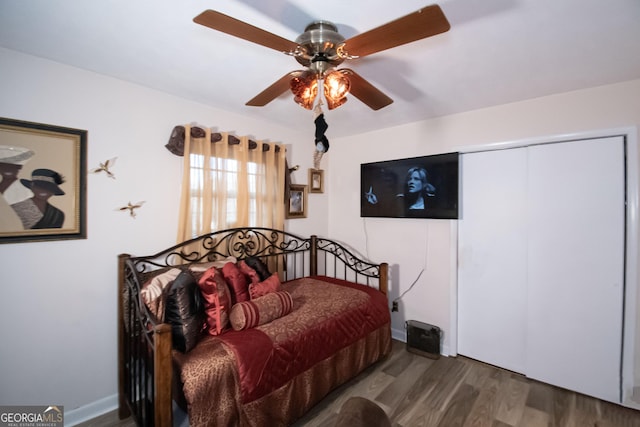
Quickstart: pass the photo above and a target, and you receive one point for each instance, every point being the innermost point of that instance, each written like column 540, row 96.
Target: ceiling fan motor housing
column 319, row 45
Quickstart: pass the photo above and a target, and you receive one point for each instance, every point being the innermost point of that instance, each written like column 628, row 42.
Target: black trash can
column 423, row 339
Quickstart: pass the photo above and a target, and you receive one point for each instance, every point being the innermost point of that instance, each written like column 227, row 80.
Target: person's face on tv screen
column 414, row 183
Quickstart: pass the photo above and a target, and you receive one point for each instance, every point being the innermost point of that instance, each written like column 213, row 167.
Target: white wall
column 411, row 245
column 58, row 304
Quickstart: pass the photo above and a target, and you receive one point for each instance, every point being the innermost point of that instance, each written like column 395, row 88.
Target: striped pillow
column 249, row 314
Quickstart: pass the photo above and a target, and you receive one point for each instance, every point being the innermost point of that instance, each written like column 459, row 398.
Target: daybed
column 255, row 362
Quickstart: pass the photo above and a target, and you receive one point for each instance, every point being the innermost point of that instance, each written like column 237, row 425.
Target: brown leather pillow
column 184, row 311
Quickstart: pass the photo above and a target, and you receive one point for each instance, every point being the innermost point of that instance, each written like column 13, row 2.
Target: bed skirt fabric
column 310, row 387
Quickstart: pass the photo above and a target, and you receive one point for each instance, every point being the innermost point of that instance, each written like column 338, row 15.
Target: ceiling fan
column 321, row 49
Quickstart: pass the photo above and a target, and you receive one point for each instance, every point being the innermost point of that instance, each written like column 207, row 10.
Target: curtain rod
column 176, row 140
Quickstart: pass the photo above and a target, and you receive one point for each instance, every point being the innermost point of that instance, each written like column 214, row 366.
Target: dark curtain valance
column 176, row 140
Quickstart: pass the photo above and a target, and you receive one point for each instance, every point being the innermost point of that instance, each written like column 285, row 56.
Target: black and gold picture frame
column 43, row 182
column 316, row 181
column 297, row 205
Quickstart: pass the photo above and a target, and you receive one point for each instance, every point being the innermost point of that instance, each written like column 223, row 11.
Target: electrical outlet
column 394, row 307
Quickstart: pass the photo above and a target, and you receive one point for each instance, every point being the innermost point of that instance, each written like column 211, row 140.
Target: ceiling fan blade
column 275, row 90
column 365, row 91
column 423, row 23
column 226, row 24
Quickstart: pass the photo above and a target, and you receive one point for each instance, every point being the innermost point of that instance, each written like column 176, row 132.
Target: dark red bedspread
column 328, row 315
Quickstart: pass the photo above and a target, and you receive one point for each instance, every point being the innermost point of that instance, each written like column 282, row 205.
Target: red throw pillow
column 251, row 274
column 217, row 301
column 237, row 282
column 272, row 284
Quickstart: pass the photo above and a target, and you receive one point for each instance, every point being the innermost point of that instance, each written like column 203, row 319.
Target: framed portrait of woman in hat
column 42, row 182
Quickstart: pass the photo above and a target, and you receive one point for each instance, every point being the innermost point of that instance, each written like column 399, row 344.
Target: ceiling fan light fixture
column 305, row 89
column 335, row 103
column 336, row 87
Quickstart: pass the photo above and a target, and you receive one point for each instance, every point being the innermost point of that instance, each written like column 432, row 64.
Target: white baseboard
column 108, row 404
column 90, row 411
column 399, row 334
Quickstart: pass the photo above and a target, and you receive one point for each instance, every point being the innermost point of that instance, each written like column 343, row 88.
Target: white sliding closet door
column 492, row 258
column 576, row 265
column 541, row 262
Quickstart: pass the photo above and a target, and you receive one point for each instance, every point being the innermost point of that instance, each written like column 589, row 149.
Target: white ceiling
column 497, row 51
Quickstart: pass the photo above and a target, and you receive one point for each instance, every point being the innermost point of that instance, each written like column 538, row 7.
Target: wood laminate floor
column 417, row 391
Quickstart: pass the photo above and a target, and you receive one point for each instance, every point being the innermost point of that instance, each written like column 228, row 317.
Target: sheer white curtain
column 232, row 182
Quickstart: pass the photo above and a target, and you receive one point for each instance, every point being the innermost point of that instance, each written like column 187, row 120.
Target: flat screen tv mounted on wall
column 417, row 187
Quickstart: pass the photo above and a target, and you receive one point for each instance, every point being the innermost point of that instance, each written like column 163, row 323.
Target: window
column 232, row 185
column 224, row 180
column 230, row 192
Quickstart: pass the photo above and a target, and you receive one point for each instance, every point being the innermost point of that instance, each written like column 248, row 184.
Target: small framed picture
column 297, row 206
column 42, row 182
column 316, row 181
